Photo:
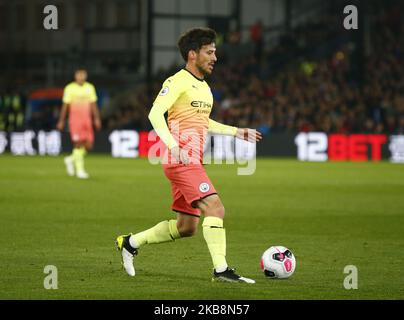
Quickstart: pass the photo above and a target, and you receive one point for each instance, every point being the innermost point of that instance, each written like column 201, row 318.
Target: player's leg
column 185, row 225
column 215, row 236
column 70, row 160
column 69, row 163
column 213, row 231
column 164, row 231
column 74, row 161
column 199, row 193
column 82, row 136
column 86, row 144
column 79, row 153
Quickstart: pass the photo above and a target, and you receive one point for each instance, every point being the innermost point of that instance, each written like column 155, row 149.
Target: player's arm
column 96, row 115
column 94, row 109
column 219, row 128
column 67, row 99
column 169, row 93
column 156, row 117
column 164, row 101
column 250, row 135
column 62, row 117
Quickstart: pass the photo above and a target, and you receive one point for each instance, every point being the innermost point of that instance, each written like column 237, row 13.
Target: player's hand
column 97, row 124
column 250, row 135
column 180, row 155
column 60, row 125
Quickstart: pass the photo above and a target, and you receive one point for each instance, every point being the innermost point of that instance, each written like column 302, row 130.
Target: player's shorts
column 188, row 184
column 81, row 131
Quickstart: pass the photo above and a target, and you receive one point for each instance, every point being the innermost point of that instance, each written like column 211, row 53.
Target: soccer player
column 79, row 100
column 188, row 99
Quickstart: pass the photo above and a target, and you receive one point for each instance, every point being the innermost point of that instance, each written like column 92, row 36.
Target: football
column 278, row 262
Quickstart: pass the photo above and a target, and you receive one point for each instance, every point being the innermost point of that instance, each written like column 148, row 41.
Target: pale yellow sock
column 78, row 158
column 164, row 231
column 215, row 237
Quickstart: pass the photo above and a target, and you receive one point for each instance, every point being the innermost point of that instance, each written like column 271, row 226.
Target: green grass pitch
column 329, row 214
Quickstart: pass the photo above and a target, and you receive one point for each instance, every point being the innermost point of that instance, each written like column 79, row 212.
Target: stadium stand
column 308, row 82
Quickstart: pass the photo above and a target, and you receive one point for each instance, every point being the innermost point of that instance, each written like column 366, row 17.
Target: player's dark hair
column 77, row 69
column 194, row 39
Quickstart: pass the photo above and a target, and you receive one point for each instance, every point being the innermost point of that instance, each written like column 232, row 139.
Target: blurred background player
column 189, row 101
column 79, row 101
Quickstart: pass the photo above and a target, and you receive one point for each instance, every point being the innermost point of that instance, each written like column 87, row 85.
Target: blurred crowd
column 310, row 81
column 322, row 95
column 12, row 110
column 16, row 113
